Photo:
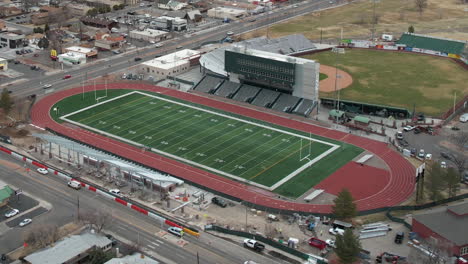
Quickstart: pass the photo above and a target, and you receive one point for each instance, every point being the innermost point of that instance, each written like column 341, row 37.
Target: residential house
column 74, row 249
column 193, row 16
column 447, row 225
column 98, row 22
column 136, row 258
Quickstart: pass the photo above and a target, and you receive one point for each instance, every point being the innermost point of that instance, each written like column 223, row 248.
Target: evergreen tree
column 411, row 29
column 46, row 28
column 5, row 101
column 347, row 247
column 344, row 206
column 98, row 256
column 43, row 43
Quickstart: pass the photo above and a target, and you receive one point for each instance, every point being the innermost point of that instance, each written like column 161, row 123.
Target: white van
column 464, row 118
column 74, row 184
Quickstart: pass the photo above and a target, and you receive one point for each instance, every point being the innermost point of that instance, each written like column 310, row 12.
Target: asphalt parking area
column 21, row 202
column 32, row 214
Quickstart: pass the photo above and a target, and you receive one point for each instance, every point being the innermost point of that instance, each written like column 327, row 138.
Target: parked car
column 330, row 243
column 446, row 155
column 336, row 231
column 11, row 213
column 428, row 156
column 399, row 237
column 129, row 76
column 175, row 231
column 124, row 76
column 421, row 153
column 408, row 128
column 399, row 135
column 219, row 201
column 42, row 171
column 464, row 118
column 25, row 222
column 318, row 243
column 417, row 130
column 443, row 164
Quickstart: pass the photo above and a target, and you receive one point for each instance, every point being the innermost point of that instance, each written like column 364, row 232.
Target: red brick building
column 447, row 224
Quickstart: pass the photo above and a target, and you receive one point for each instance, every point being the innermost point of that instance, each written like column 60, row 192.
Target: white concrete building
column 3, row 64
column 169, row 23
column 72, row 58
column 89, row 53
column 227, row 13
column 171, row 64
column 150, row 35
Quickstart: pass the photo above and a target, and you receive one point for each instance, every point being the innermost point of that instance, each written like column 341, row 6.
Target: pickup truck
column 253, row 244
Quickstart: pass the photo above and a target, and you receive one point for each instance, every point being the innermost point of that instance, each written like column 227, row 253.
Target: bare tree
column 421, row 5
column 460, row 157
column 42, row 235
column 452, row 182
column 96, row 220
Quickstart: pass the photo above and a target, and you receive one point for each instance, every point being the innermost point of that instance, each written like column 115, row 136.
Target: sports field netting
column 262, row 155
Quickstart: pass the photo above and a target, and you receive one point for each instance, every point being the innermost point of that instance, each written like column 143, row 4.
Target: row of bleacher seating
column 246, row 93
column 266, row 98
column 255, row 95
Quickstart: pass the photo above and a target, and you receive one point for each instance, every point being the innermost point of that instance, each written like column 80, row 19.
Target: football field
column 258, row 153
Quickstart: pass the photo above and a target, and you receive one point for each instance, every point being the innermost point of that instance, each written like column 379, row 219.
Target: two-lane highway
column 126, row 223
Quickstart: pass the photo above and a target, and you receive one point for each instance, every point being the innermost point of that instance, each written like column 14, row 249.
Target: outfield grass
column 399, row 79
column 256, row 154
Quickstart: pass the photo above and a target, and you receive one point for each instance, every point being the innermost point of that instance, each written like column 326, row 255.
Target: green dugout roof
column 361, row 119
column 432, row 43
column 336, row 113
column 5, row 193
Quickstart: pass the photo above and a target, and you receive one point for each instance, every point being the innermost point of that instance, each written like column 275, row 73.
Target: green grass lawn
column 399, row 79
column 216, row 143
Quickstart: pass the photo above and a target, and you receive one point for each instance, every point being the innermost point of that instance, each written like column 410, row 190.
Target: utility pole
column 78, row 207
column 373, row 21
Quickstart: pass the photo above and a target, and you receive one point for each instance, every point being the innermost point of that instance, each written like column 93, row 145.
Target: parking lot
column 21, row 202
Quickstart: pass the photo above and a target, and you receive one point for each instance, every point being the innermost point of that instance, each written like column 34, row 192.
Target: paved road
column 126, row 60
column 126, row 223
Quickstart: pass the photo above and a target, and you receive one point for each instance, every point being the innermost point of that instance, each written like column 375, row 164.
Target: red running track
column 401, row 173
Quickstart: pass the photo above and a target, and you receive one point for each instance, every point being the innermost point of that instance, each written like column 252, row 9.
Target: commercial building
column 292, row 75
column 77, row 10
column 447, row 225
column 171, row 64
column 227, row 13
column 169, row 23
column 74, row 249
column 89, row 53
column 5, row 191
column 3, row 64
column 72, row 58
column 108, row 41
column 150, row 35
column 12, row 40
column 98, row 22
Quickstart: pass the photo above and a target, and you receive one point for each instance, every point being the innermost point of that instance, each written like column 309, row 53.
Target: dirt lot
column 440, row 18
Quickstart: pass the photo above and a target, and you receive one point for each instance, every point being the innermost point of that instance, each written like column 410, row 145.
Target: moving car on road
column 68, row 76
column 42, row 171
column 175, row 231
column 253, row 244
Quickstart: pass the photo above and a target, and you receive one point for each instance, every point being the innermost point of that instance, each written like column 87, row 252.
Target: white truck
column 253, row 244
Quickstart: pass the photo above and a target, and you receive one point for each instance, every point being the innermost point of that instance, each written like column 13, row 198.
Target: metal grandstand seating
column 286, row 103
column 246, row 93
column 227, row 89
column 209, row 84
column 266, row 98
column 305, row 107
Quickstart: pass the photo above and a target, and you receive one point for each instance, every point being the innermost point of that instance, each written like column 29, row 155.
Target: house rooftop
column 449, row 222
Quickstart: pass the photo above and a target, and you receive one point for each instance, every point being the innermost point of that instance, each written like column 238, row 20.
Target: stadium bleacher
column 227, row 89
column 432, row 43
column 305, row 107
column 266, row 98
column 246, row 93
column 286, row 103
column 209, row 84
